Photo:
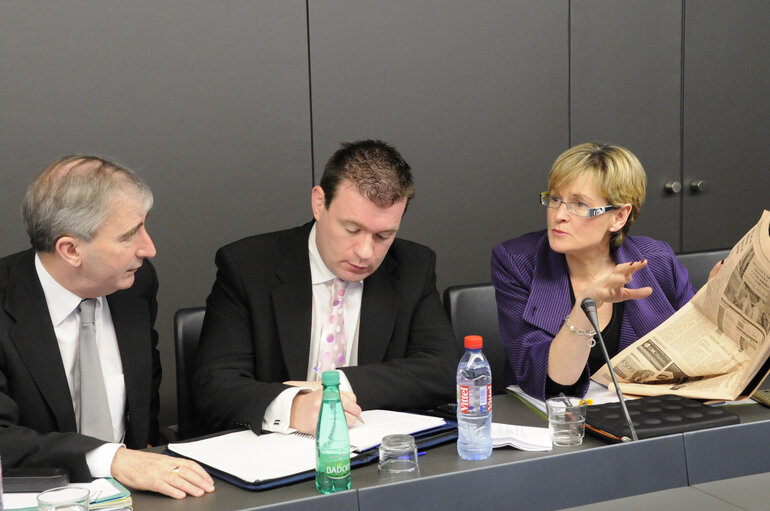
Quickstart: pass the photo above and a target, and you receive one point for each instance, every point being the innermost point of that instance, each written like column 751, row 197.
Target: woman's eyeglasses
column 576, row 208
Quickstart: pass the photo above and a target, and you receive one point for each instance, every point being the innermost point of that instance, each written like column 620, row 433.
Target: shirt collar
column 60, row 300
column 319, row 273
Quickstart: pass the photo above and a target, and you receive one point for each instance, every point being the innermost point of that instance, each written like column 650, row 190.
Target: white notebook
column 255, row 458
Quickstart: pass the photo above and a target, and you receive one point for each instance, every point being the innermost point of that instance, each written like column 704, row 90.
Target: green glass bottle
column 332, row 444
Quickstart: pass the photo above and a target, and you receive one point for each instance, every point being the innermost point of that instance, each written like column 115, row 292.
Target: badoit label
column 338, row 471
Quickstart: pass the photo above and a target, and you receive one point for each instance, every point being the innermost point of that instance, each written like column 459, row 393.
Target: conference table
column 738, row 493
column 720, row 468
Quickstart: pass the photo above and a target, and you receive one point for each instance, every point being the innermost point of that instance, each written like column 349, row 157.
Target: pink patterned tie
column 331, row 354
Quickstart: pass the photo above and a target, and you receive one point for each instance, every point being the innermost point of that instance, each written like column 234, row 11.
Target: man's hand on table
column 175, row 477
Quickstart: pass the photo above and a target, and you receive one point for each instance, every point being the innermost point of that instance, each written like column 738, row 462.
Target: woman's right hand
column 612, row 287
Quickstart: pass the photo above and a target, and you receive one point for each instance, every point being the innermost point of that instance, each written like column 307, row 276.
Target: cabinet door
column 473, row 94
column 625, row 89
column 726, row 120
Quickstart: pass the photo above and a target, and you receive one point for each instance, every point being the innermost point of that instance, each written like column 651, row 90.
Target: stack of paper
column 597, row 394
column 526, row 438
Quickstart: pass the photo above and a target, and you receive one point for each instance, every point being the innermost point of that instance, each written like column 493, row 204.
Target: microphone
column 589, row 307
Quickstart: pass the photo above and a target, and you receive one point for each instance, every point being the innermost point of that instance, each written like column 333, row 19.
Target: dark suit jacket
column 256, row 333
column 532, row 289
column 37, row 420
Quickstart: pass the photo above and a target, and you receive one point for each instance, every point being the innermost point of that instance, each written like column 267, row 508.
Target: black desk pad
column 655, row 416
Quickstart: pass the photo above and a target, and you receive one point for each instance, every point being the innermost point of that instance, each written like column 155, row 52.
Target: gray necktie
column 95, row 418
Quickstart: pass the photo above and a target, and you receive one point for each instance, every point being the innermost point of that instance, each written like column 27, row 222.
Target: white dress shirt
column 65, row 317
column 278, row 413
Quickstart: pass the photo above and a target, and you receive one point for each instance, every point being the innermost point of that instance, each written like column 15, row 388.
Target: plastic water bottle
column 474, row 402
column 332, row 444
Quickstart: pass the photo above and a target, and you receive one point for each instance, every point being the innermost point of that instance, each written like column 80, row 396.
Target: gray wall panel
column 473, row 95
column 208, row 101
column 625, row 66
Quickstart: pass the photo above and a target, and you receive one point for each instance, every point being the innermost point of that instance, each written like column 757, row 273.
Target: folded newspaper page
column 715, row 347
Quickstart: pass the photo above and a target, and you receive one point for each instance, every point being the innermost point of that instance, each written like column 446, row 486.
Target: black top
column 611, row 336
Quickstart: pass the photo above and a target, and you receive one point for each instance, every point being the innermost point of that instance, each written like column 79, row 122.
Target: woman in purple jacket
column 594, row 195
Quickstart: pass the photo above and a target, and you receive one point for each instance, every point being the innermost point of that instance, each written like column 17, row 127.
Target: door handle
column 673, row 187
column 698, row 185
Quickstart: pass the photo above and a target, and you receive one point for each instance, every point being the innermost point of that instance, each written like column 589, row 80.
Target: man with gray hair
column 79, row 365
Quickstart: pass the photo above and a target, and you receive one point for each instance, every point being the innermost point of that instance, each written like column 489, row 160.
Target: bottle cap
column 330, row 378
column 473, row 342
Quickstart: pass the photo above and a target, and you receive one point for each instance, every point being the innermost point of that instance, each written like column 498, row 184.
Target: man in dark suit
column 85, row 217
column 266, row 336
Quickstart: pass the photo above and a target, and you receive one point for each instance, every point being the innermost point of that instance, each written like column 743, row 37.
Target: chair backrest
column 473, row 311
column 699, row 265
column 187, row 331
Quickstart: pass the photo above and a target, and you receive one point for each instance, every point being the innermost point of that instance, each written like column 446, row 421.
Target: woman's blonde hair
column 618, row 174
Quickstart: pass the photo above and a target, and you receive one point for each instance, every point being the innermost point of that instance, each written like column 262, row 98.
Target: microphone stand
column 589, row 307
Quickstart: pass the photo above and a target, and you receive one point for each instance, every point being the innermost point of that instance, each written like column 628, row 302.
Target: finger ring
column 175, row 470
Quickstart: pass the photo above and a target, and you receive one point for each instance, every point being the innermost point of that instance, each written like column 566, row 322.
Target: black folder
column 655, row 416
column 423, row 439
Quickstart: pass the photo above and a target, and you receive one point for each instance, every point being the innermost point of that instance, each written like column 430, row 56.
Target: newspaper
column 715, row 346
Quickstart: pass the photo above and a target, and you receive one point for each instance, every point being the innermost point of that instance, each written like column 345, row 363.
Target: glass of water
column 566, row 420
column 398, row 458
column 66, row 498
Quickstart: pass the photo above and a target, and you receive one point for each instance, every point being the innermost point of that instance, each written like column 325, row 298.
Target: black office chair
column 187, row 331
column 699, row 264
column 473, row 311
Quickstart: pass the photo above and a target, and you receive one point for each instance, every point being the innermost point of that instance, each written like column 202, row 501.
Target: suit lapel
column 293, row 305
column 641, row 316
column 132, row 327
column 35, row 339
column 379, row 305
column 549, row 302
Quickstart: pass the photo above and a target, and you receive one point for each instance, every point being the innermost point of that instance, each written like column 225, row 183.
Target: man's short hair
column 375, row 168
column 72, row 197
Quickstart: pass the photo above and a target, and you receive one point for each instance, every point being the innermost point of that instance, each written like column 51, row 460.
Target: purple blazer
column 532, row 290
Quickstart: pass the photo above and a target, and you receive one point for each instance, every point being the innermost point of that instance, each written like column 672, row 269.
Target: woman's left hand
column 716, row 268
